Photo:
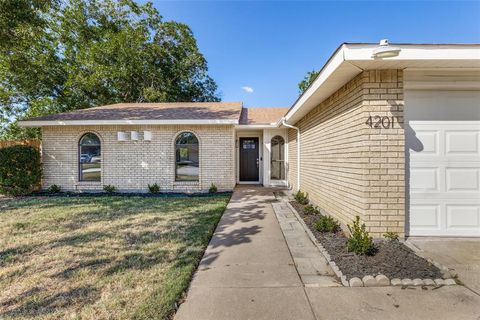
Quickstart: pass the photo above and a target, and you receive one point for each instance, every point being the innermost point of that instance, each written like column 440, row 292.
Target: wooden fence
column 8, row 143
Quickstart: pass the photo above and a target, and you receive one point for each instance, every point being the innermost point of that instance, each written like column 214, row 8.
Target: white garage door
column 445, row 179
column 444, row 165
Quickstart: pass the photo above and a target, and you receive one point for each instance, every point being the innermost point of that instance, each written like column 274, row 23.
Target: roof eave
column 46, row 123
column 272, row 125
column 351, row 59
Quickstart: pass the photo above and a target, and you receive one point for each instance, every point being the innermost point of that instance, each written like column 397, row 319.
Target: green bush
column 327, row 224
column 310, row 209
column 54, row 189
column 154, row 188
column 20, row 169
column 360, row 241
column 301, row 197
column 109, row 188
column 213, row 189
column 391, row 236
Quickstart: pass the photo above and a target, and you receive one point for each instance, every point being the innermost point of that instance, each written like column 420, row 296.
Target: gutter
column 284, row 123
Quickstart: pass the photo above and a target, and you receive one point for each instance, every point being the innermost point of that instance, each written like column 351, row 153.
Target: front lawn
column 108, row 257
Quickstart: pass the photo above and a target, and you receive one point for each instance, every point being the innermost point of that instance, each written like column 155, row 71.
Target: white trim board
column 124, row 122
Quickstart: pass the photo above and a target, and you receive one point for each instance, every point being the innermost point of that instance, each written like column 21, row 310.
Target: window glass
column 277, row 158
column 186, row 156
column 90, row 158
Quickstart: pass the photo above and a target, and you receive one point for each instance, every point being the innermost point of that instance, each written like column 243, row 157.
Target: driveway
column 248, row 272
column 461, row 255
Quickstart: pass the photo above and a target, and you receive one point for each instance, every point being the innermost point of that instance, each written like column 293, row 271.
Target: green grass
column 107, row 257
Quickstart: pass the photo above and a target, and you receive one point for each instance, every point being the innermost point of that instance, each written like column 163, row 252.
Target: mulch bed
column 392, row 258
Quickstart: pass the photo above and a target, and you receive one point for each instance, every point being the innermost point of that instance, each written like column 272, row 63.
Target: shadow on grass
column 13, row 254
column 139, row 261
column 83, row 265
column 37, row 307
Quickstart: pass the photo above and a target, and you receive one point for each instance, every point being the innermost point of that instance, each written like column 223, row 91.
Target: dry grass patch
column 107, row 257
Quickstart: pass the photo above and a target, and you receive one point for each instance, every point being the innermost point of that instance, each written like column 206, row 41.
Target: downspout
column 284, row 123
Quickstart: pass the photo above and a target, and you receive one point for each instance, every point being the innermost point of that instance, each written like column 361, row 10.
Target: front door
column 249, row 159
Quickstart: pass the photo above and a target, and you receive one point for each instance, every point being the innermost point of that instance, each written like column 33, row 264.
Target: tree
column 84, row 53
column 307, row 81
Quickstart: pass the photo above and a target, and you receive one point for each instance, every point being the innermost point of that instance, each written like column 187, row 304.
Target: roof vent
column 384, row 50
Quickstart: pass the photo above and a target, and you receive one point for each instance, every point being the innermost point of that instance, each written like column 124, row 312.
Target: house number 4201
column 378, row 122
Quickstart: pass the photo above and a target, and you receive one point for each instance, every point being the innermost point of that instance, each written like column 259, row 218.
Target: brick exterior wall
column 132, row 165
column 348, row 168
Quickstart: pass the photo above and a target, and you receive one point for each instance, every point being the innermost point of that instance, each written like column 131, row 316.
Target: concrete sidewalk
column 247, row 271
column 462, row 255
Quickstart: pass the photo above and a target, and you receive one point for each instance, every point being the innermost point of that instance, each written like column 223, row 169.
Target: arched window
column 186, row 157
column 277, row 158
column 90, row 158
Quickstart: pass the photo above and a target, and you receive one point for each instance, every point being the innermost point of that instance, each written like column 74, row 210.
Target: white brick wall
column 348, row 168
column 132, row 165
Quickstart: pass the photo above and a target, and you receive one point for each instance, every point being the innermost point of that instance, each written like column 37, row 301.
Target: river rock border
column 379, row 280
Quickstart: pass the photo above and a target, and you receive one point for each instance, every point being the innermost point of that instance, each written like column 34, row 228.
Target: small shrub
column 301, row 197
column 54, row 189
column 310, row 209
column 360, row 241
column 109, row 188
column 20, row 169
column 213, row 189
column 327, row 224
column 154, row 188
column 391, row 236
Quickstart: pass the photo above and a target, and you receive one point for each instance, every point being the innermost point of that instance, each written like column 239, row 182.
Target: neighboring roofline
column 46, row 123
column 347, row 60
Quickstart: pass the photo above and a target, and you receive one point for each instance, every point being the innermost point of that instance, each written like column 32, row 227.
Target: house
column 390, row 133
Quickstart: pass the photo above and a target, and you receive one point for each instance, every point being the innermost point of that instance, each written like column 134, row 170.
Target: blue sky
column 269, row 46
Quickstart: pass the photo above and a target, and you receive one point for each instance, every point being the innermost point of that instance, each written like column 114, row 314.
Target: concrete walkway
column 311, row 265
column 247, row 271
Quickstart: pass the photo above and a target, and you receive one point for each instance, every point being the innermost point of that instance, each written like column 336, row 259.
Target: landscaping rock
column 392, row 258
column 428, row 282
column 382, row 281
column 396, row 282
column 369, row 281
column 439, row 282
column 356, row 282
column 418, row 282
column 407, row 282
column 449, row 282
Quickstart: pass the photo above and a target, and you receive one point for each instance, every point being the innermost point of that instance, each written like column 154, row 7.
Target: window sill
column 89, row 183
column 186, row 183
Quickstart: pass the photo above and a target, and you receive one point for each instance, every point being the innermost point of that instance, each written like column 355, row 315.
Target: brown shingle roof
column 261, row 115
column 153, row 111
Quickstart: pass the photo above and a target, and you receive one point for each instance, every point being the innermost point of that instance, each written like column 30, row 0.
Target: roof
column 347, row 61
column 350, row 59
column 147, row 113
column 253, row 116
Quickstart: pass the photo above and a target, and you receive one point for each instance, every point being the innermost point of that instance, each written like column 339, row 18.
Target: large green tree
column 62, row 56
column 307, row 81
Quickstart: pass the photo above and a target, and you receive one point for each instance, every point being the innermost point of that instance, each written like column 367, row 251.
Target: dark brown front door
column 249, row 159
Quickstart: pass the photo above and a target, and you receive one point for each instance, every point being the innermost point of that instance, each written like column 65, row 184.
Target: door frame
column 249, row 134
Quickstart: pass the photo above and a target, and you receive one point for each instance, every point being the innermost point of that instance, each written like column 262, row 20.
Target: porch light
column 384, row 50
column 134, row 135
column 121, row 136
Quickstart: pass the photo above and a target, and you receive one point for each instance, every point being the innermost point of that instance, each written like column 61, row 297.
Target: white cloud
column 247, row 89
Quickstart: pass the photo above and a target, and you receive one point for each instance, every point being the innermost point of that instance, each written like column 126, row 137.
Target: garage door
column 444, row 171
